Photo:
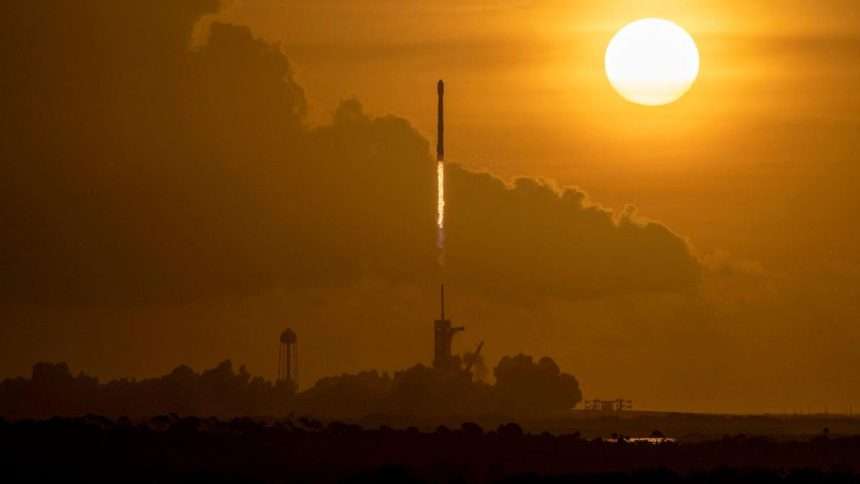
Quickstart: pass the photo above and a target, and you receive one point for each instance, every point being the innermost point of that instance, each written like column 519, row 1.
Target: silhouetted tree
column 345, row 396
column 424, row 391
column 524, row 387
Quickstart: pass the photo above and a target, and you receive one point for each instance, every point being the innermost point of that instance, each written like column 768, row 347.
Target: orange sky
column 528, row 96
column 755, row 168
column 754, row 165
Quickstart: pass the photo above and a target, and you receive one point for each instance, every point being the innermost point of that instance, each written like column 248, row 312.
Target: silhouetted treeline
column 54, row 391
column 172, row 449
column 523, row 388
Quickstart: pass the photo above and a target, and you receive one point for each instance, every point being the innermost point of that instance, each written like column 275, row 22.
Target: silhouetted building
column 443, row 337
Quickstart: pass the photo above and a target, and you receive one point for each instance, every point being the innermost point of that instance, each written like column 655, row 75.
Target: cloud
column 534, row 238
column 138, row 169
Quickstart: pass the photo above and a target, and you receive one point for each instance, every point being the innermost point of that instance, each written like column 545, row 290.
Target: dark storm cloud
column 138, row 169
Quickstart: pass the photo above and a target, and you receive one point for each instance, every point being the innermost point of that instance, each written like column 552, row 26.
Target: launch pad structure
column 444, row 333
column 609, row 406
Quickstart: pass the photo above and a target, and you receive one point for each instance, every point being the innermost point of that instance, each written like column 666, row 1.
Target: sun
column 652, row 62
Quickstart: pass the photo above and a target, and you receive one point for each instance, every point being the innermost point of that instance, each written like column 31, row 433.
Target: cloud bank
column 139, row 169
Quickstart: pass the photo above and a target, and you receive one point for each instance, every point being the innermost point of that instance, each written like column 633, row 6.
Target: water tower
column 288, row 357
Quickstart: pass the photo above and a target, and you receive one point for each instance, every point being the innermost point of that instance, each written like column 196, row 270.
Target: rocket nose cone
column 440, row 86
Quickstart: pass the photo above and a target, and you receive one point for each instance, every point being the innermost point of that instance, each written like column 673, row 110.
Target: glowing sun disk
column 652, row 62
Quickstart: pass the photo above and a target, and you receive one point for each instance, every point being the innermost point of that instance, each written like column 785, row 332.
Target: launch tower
column 443, row 337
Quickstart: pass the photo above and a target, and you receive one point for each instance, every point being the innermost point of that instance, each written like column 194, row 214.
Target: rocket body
column 440, row 122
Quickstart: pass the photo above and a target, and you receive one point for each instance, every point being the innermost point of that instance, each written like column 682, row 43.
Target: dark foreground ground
column 170, row 449
column 688, row 427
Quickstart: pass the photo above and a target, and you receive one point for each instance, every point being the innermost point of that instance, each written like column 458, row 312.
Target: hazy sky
column 171, row 205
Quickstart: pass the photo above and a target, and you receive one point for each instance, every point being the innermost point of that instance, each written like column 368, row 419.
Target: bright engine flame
column 440, row 203
column 440, row 208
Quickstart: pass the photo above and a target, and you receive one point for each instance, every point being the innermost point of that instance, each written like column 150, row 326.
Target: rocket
column 440, row 122
column 440, row 172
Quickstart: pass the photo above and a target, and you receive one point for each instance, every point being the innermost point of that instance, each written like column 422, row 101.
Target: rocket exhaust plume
column 440, row 171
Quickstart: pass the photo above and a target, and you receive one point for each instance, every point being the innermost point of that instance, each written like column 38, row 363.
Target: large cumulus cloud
column 136, row 168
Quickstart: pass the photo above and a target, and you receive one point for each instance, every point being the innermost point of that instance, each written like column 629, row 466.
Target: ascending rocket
column 440, row 126
column 440, row 171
